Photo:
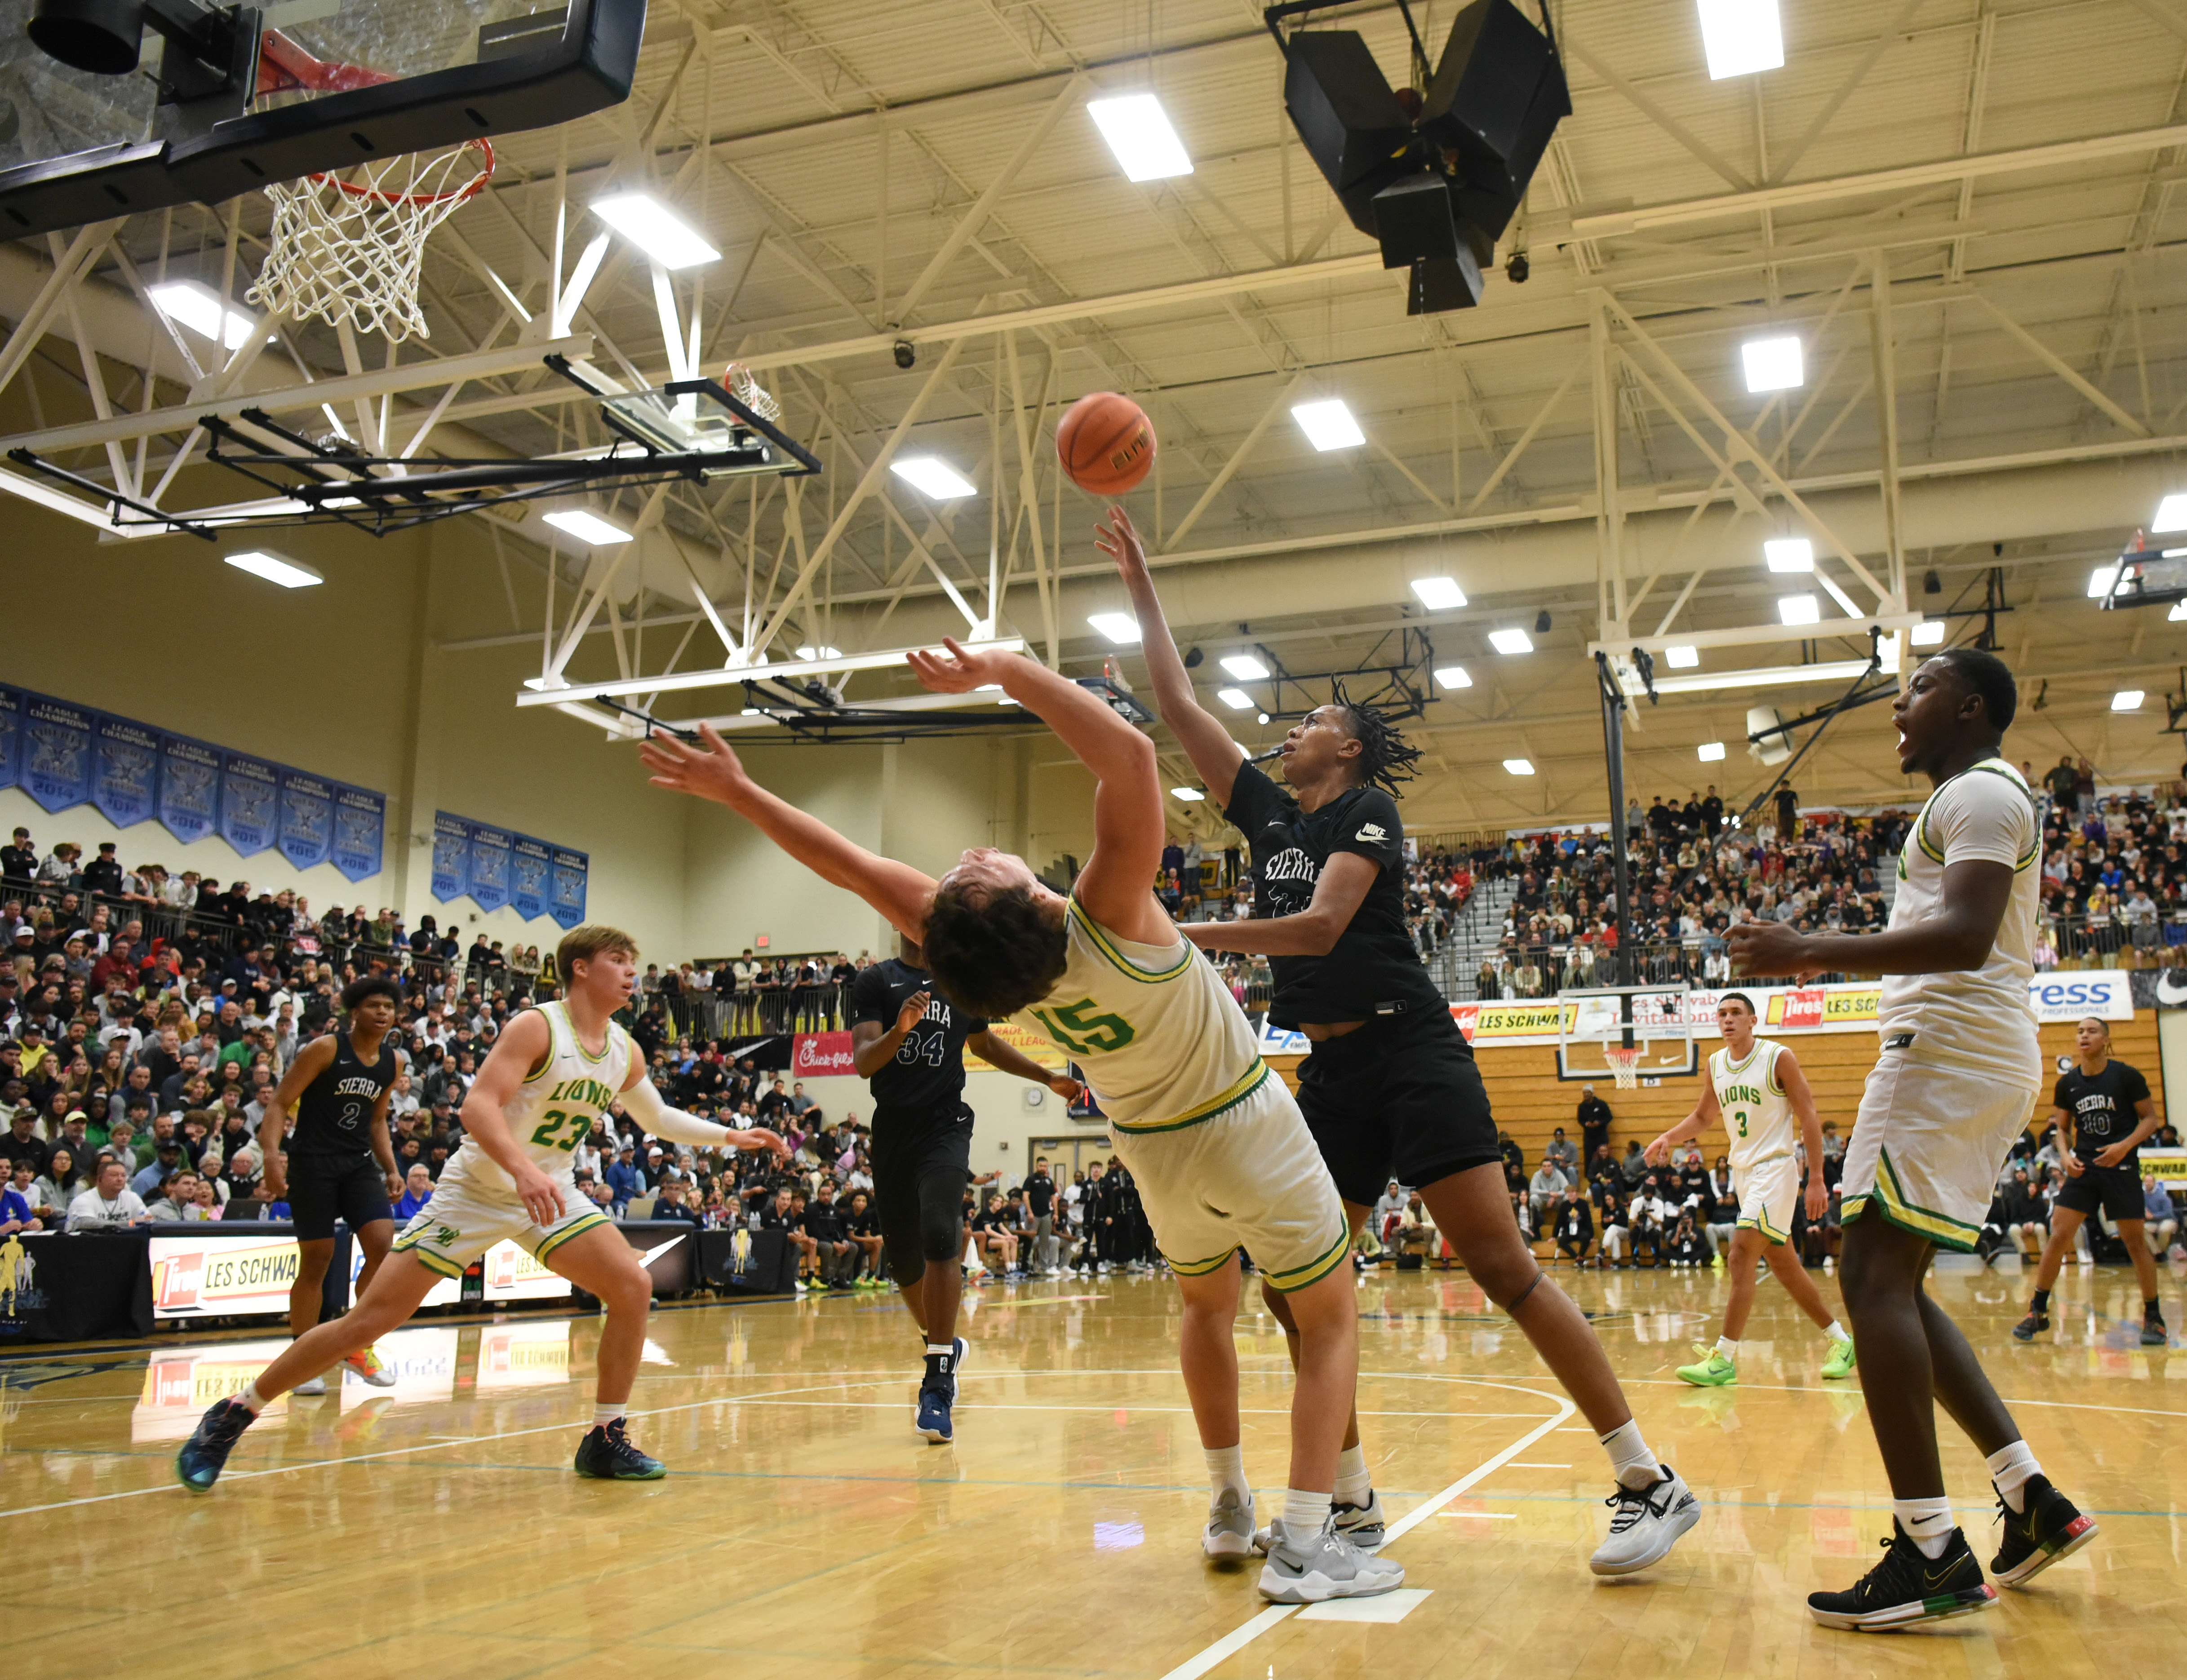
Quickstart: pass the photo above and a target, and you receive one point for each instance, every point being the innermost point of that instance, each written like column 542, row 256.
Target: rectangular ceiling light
column 1122, row 628
column 1454, row 676
column 1798, row 609
column 1774, row 364
column 1790, row 553
column 587, row 527
column 656, row 229
column 1681, row 658
column 275, row 569
column 1245, row 667
column 1930, row 633
column 2170, row 514
column 1741, row 36
column 1236, row 699
column 1328, row 425
column 1138, row 132
column 934, row 479
column 1511, row 641
column 1190, row 795
column 1712, row 752
column 1520, row 767
column 1439, row 594
column 197, row 308
column 2101, row 579
column 2127, row 700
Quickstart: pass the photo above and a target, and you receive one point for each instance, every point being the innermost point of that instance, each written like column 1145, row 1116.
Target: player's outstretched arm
column 711, row 770
column 1117, row 885
column 1803, row 1099
column 1345, row 881
column 1705, row 1113
column 524, row 1045
column 1976, row 892
column 1008, row 1059
column 1215, row 757
column 642, row 1099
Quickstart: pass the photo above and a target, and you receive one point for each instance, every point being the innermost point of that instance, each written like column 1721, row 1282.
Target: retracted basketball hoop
column 350, row 250
column 1624, row 1061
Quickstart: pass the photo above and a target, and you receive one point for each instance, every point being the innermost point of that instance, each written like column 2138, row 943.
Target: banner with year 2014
column 64, row 756
column 1786, row 1010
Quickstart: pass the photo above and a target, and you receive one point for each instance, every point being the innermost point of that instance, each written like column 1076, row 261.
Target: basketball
column 1107, row 444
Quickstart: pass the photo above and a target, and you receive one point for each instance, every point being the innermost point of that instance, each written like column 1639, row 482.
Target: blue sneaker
column 205, row 1454
column 933, row 1416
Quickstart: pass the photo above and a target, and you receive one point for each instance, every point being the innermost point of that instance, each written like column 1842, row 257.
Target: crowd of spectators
column 2114, row 876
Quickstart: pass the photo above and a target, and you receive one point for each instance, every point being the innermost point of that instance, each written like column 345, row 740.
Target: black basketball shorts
column 1400, row 1098
column 2115, row 1190
column 323, row 1189
column 922, row 1163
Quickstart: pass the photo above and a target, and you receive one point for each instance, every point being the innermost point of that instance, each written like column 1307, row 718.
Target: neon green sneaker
column 1842, row 1360
column 1715, row 1371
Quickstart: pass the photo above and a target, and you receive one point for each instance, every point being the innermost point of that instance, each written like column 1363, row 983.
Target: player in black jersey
column 340, row 1161
column 2110, row 1114
column 908, row 1045
column 1389, row 1090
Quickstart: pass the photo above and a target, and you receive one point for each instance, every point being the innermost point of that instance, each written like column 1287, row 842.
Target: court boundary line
column 1240, row 1636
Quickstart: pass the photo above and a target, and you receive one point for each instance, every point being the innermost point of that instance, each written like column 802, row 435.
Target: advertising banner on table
column 250, row 802
column 571, row 867
column 489, row 866
column 189, row 788
column 11, row 737
column 360, row 831
column 2168, row 1167
column 818, row 1055
column 222, row 1276
column 307, row 819
column 452, row 857
column 56, row 753
column 530, row 862
column 1034, row 1046
column 512, row 1274
column 125, row 770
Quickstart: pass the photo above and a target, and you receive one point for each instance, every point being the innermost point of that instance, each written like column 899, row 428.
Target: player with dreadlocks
column 1389, row 1090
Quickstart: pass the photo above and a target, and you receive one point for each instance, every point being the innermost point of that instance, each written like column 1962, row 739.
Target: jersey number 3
column 1079, row 1030
column 1742, row 1121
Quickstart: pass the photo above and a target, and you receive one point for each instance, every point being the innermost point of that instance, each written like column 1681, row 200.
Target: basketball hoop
column 750, row 392
column 350, row 250
column 1624, row 1061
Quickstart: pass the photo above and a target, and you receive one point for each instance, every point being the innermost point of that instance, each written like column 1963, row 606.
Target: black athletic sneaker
column 1907, row 1587
column 205, row 1454
column 2032, row 1326
column 2153, row 1333
column 606, row 1455
column 2049, row 1527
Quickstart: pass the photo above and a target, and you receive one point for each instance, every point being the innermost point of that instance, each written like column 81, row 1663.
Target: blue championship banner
column 360, row 831
column 530, row 862
column 570, row 869
column 249, row 803
column 452, row 857
column 56, row 753
column 125, row 770
column 307, row 833
column 489, row 866
column 11, row 737
column 189, row 788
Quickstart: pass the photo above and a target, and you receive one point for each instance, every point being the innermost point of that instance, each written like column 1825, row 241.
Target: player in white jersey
column 1952, row 1088
column 535, row 1101
column 1757, row 1093
column 1221, row 1157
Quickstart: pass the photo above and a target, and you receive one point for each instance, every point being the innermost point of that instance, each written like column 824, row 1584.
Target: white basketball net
column 1624, row 1065
column 752, row 393
column 350, row 250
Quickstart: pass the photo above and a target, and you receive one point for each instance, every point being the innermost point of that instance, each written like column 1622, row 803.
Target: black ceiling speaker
column 1435, row 178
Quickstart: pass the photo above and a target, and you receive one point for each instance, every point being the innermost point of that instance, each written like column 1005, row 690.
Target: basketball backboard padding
column 465, row 95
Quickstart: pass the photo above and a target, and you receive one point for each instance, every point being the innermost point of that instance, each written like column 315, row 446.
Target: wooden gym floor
column 805, row 1531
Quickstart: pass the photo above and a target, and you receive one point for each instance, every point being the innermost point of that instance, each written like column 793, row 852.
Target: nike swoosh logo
column 1931, row 1579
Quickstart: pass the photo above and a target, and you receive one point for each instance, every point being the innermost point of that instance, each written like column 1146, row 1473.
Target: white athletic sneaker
column 1229, row 1531
column 311, row 1385
column 1305, row 1568
column 1646, row 1523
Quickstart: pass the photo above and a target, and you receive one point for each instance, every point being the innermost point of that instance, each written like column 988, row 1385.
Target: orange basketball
column 1107, row 444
